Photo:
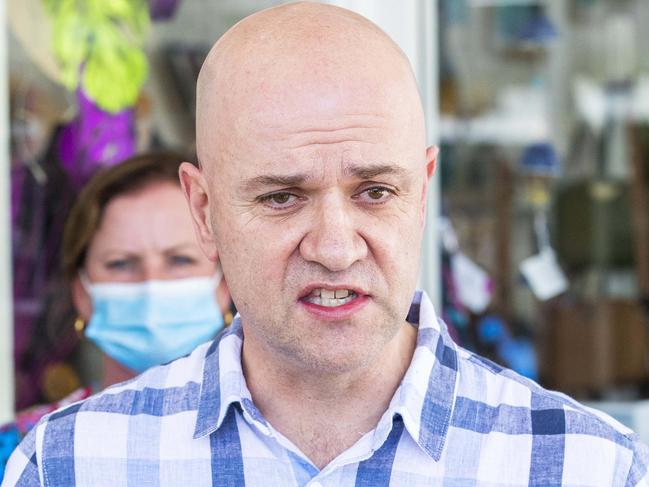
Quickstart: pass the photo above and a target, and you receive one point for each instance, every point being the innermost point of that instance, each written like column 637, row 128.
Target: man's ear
column 81, row 299
column 194, row 186
column 431, row 164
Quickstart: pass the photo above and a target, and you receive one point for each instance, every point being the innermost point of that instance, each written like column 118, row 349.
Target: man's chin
column 330, row 365
column 341, row 349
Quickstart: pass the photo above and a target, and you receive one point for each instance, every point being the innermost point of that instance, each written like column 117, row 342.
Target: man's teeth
column 330, row 298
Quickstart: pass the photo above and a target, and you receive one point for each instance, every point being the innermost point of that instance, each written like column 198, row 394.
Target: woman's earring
column 79, row 326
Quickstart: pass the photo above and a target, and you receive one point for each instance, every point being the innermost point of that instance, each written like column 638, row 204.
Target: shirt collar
column 424, row 400
column 223, row 382
column 426, row 397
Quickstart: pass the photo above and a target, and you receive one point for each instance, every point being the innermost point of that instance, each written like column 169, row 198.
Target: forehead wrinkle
column 356, row 171
column 359, row 128
column 361, row 134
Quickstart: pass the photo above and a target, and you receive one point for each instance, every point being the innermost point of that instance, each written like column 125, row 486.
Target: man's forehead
column 288, row 88
column 302, row 77
column 294, row 46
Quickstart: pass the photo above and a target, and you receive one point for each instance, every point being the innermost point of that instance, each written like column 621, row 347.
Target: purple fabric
column 43, row 314
column 95, row 138
column 17, row 181
column 163, row 9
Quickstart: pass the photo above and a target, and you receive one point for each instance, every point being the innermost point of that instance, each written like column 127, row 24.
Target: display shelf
column 504, row 3
column 495, row 130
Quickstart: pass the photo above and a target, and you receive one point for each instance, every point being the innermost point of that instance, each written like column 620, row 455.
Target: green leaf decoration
column 99, row 45
column 114, row 72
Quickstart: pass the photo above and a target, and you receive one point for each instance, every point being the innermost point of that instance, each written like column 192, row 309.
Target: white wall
column 6, row 314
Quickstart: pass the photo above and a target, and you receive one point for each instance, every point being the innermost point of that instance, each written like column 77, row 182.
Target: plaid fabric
column 456, row 420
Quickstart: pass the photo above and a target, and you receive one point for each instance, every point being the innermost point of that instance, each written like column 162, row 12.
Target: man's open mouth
column 330, row 298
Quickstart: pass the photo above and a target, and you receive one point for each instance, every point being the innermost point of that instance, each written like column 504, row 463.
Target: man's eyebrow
column 266, row 180
column 292, row 180
column 372, row 171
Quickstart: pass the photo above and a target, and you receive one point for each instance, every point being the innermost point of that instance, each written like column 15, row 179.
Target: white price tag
column 473, row 284
column 543, row 274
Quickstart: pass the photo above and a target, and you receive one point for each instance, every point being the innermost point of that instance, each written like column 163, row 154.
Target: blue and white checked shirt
column 455, row 420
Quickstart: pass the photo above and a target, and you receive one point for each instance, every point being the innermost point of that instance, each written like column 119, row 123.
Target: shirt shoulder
column 494, row 400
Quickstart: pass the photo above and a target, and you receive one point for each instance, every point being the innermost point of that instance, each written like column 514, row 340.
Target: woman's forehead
column 155, row 216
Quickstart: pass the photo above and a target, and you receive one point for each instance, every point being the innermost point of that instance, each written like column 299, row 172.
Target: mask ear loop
column 218, row 275
column 85, row 282
column 80, row 323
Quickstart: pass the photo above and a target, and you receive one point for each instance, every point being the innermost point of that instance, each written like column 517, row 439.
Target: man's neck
column 325, row 414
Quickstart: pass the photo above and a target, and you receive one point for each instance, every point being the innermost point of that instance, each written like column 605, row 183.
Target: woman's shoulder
column 26, row 419
column 13, row 432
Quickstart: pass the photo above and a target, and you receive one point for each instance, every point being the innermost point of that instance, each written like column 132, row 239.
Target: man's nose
column 333, row 240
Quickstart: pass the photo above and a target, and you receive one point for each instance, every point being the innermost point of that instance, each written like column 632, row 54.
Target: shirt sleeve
column 639, row 471
column 22, row 467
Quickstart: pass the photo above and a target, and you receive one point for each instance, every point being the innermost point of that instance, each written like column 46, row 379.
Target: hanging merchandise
column 467, row 295
column 526, row 26
column 544, row 275
column 640, row 100
column 42, row 309
column 99, row 46
column 94, row 138
column 540, row 165
column 163, row 9
column 97, row 54
column 539, row 29
column 473, row 285
column 516, row 353
column 454, row 313
column 614, row 161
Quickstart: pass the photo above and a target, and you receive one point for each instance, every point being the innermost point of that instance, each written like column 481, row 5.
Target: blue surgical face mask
column 153, row 322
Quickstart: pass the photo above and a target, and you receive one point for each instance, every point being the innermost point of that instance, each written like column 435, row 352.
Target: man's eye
column 279, row 201
column 376, row 194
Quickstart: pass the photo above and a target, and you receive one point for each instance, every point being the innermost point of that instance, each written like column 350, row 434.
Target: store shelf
column 504, row 3
column 495, row 129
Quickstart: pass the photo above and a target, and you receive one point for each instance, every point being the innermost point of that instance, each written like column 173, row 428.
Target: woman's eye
column 119, row 264
column 279, row 201
column 181, row 260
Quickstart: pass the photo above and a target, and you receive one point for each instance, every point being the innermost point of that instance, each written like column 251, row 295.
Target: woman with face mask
column 143, row 290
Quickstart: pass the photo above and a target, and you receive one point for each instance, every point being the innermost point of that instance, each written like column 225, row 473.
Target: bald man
column 312, row 186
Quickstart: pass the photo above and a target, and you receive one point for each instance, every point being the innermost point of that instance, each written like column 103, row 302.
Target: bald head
column 293, row 61
column 311, row 137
